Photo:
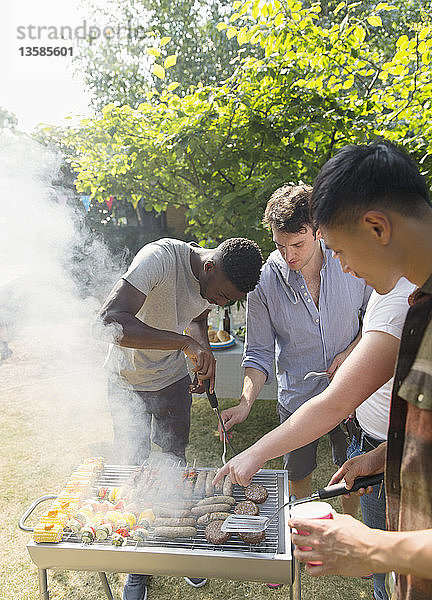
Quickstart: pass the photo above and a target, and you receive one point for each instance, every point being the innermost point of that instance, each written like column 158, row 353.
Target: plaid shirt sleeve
column 409, row 455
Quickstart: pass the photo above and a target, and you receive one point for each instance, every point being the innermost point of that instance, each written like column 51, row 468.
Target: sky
column 39, row 89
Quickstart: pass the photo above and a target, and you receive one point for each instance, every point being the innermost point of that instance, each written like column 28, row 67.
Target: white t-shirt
column 383, row 313
column 162, row 271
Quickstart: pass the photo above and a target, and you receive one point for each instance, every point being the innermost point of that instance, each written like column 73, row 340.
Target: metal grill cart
column 271, row 561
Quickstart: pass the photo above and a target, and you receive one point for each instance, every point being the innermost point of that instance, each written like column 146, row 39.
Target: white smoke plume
column 54, row 276
column 40, row 243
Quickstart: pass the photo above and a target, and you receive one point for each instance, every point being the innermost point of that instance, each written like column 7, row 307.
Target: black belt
column 366, row 442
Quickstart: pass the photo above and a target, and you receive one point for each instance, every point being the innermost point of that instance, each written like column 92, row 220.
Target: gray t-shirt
column 162, row 271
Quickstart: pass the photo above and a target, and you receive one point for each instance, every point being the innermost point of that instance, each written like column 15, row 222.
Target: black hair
column 288, row 208
column 241, row 262
column 362, row 178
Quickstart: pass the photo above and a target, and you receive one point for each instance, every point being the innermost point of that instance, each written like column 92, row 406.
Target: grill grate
column 117, row 475
column 269, row 561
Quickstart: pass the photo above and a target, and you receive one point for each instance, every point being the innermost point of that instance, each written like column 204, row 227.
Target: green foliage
column 221, row 150
column 151, row 36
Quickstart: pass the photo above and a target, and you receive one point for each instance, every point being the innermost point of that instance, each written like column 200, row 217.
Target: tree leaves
column 220, row 150
column 170, row 61
column 158, row 70
column 339, row 7
column 119, row 70
column 374, row 20
column 173, row 86
column 153, row 52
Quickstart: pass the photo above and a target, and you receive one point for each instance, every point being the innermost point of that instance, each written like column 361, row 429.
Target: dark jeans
column 139, row 418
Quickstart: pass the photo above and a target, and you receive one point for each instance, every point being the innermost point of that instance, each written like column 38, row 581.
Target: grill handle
column 31, row 508
column 331, row 491
column 210, row 395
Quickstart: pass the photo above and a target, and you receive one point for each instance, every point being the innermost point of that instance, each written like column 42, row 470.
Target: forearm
column 345, row 546
column 198, row 331
column 130, row 332
column 366, row 369
column 253, row 381
column 406, row 552
column 354, row 343
column 315, row 418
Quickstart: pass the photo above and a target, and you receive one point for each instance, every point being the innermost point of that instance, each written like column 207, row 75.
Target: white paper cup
column 311, row 510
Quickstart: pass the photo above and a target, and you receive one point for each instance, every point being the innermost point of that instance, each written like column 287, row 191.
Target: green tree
column 221, row 150
column 126, row 226
column 397, row 17
column 148, row 38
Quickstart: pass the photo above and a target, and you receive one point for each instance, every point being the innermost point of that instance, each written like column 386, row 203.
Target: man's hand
column 232, row 416
column 343, row 545
column 196, row 387
column 367, row 464
column 336, row 363
column 203, row 360
column 339, row 358
column 242, row 467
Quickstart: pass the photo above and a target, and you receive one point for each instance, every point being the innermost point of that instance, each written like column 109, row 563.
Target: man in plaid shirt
column 372, row 206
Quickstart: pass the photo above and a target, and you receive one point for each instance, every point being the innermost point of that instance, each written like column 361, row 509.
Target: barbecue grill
column 271, row 561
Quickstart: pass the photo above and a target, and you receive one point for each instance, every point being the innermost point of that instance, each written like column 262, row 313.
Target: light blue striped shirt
column 284, row 325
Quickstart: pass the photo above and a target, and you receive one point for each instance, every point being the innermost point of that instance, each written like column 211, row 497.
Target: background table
column 229, row 374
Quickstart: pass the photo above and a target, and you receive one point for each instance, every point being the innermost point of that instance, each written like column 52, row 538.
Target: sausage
column 216, row 516
column 189, row 488
column 200, row 484
column 217, row 500
column 173, row 522
column 175, row 532
column 209, row 487
column 177, row 504
column 167, row 512
column 197, row 511
column 227, row 486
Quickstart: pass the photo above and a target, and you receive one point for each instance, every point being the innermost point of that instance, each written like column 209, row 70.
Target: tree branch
column 212, row 161
column 332, row 142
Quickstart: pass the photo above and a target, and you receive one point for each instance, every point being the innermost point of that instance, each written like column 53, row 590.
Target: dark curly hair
column 241, row 261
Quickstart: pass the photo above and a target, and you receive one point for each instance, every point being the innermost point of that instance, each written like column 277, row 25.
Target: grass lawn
column 50, row 421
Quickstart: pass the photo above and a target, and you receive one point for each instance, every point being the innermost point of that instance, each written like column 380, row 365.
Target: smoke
column 54, row 276
column 40, row 242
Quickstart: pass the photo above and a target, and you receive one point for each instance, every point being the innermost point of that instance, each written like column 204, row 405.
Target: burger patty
column 256, row 492
column 252, row 538
column 247, row 507
column 214, row 534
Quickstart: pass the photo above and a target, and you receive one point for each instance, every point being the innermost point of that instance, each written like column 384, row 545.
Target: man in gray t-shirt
column 168, row 288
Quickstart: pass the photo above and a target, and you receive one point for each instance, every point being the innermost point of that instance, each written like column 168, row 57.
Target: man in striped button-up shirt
column 303, row 315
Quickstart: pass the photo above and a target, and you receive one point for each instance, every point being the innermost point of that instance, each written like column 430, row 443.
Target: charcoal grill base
column 224, row 564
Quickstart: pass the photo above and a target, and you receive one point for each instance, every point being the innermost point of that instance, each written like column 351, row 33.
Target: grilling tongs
column 252, row 524
column 215, row 406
